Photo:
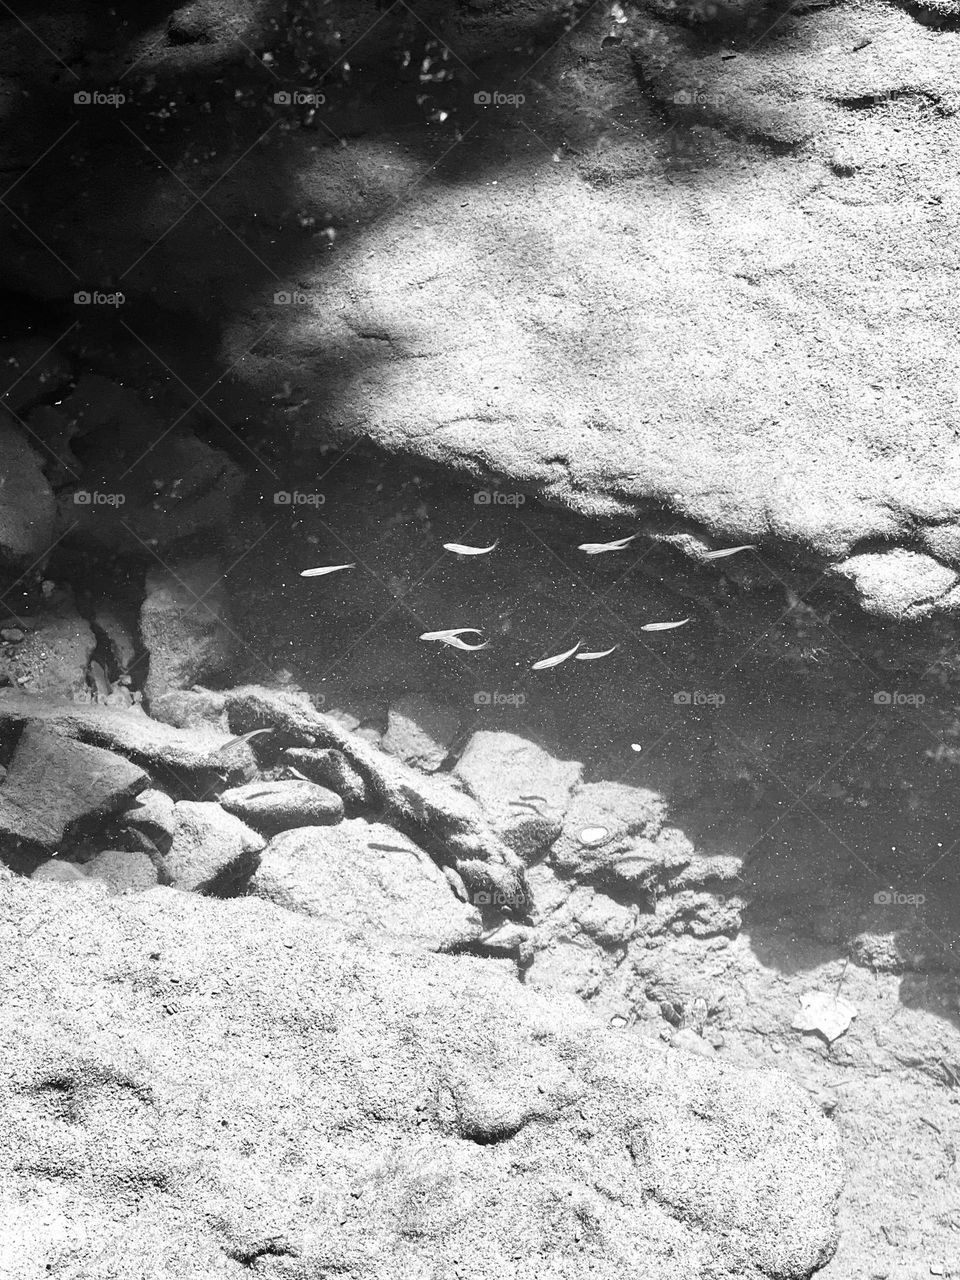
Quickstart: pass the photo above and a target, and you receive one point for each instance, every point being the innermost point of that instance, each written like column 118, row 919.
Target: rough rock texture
column 275, row 806
column 522, row 789
column 53, row 657
column 202, row 1088
column 26, row 503
column 123, row 870
column 185, row 625
column 54, row 784
column 420, row 731
column 370, row 879
column 211, row 852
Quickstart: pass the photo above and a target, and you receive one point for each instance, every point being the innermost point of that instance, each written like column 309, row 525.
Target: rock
column 54, row 655
column 124, row 870
column 185, row 626
column 287, row 1091
column 27, row 507
column 900, row 583
column 59, row 871
column 112, row 629
column 420, row 731
column 627, row 815
column 330, row 767
column 154, row 816
column 212, row 851
column 190, row 756
column 370, row 879
column 54, row 784
column 191, row 709
column 276, row 806
column 500, row 769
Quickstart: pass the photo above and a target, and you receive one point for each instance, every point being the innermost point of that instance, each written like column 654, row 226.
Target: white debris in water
column 591, row 836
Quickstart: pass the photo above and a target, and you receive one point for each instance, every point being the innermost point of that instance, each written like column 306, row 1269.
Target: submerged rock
column 185, row 626
column 273, row 1088
column 211, row 851
column 288, row 802
column 420, row 731
column 369, row 878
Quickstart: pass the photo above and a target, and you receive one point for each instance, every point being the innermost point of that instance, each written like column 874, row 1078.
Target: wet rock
column 54, row 784
column 276, row 806
column 330, row 767
column 345, row 1106
column 185, row 626
column 123, row 870
column 59, row 871
column 27, row 508
column 53, row 657
column 117, row 635
column 212, row 851
column 189, row 756
column 900, row 583
column 420, row 731
column 191, row 709
column 154, row 817
column 368, row 877
column 605, row 820
column 522, row 789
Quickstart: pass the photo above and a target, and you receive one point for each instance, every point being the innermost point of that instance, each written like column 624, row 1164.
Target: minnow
column 556, row 659
column 728, row 551
column 100, row 682
column 542, row 799
column 664, row 626
column 244, row 737
column 591, row 657
column 325, row 569
column 597, row 548
column 390, row 848
column 462, row 549
column 452, row 637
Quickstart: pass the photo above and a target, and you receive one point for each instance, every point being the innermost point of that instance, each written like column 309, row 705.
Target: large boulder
column 206, row 1088
column 27, row 507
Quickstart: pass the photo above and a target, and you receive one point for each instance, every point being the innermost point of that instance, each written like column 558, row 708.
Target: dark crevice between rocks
column 869, row 101
column 937, row 18
column 249, row 1256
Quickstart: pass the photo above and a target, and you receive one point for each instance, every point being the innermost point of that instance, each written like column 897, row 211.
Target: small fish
column 325, row 569
column 542, row 799
column 295, row 773
column 591, row 657
column 462, row 549
column 244, row 737
column 390, row 848
column 598, row 548
column 556, row 659
column 100, row 682
column 452, row 637
column 664, row 626
column 728, row 551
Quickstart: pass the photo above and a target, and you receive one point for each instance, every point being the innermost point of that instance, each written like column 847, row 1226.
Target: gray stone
column 275, row 806
column 53, row 657
column 54, row 784
column 282, row 1096
column 522, row 789
column 212, row 851
column 420, row 731
column 27, row 507
column 370, row 879
column 59, row 871
column 123, row 870
column 185, row 626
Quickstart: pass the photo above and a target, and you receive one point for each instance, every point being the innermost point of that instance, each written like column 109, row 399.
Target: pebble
column 11, row 635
